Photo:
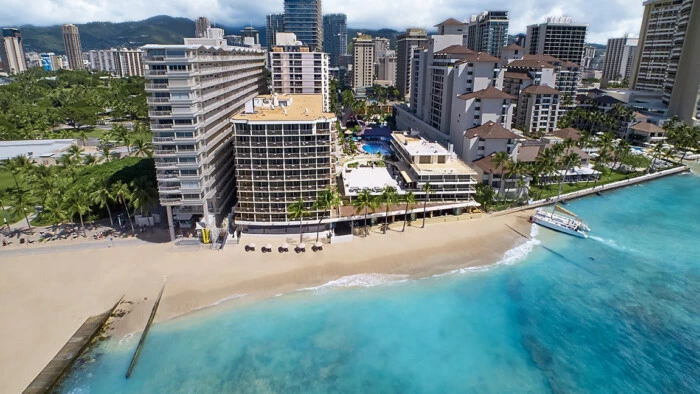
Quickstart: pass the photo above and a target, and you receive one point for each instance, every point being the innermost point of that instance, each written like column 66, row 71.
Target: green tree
column 410, row 200
column 142, row 148
column 122, row 195
column 485, row 195
column 102, row 196
column 325, row 201
column 364, row 202
column 143, row 195
column 120, row 133
column 78, row 203
column 389, row 197
column 297, row 211
column 500, row 159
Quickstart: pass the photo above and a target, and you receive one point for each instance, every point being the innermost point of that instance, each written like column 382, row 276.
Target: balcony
column 168, row 189
column 163, row 139
column 154, row 114
column 156, row 100
column 170, row 201
column 163, row 153
column 156, row 126
column 170, row 165
column 156, row 86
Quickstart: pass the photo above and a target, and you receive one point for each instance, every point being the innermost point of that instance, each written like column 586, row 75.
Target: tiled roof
column 647, row 127
column 515, row 75
column 568, row 132
column 479, row 57
column 491, row 130
column 528, row 153
column 540, row 89
column 606, row 100
column 456, row 50
column 536, row 64
column 514, row 46
column 450, row 21
column 487, row 164
column 488, row 93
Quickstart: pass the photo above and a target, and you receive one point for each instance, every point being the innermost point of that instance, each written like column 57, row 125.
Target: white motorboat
column 560, row 223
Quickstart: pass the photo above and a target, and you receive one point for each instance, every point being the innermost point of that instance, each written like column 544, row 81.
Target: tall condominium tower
column 363, row 61
column 193, row 90
column 682, row 84
column 558, row 37
column 619, row 58
column 304, row 18
column 295, row 70
column 284, row 146
column 335, row 37
column 274, row 25
column 123, row 62
column 12, row 51
column 201, row 25
column 406, row 43
column 71, row 40
column 488, row 32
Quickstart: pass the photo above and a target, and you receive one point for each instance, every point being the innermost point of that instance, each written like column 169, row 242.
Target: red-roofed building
column 486, row 139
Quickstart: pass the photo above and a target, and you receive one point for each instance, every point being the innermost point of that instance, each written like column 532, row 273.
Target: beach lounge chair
column 250, row 247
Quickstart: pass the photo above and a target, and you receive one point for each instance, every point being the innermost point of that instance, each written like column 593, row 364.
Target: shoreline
column 45, row 298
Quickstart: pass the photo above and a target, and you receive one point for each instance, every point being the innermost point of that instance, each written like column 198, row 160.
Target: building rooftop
column 536, row 64
column 487, row 164
column 479, row 57
column 34, row 149
column 516, row 75
column 416, row 146
column 455, row 50
column 528, row 153
column 292, row 107
column 491, row 130
column 607, row 100
column 514, row 46
column 488, row 93
column 540, row 89
column 647, row 127
column 451, row 21
column 568, row 132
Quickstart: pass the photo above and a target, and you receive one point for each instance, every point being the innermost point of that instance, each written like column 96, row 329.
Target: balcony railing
column 155, row 126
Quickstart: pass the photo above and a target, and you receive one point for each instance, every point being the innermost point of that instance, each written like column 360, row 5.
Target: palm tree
column 364, row 202
column 17, row 166
column 4, row 212
column 297, row 210
column 621, row 151
column 106, row 154
column 142, row 148
column 54, row 211
column 325, row 201
column 89, row 160
column 427, row 189
column 657, row 151
column 569, row 161
column 389, row 196
column 77, row 203
column 83, row 136
column 122, row 195
column 410, row 200
column 20, row 206
column 75, row 153
column 500, row 159
column 121, row 134
column 517, row 169
column 102, row 196
column 143, row 194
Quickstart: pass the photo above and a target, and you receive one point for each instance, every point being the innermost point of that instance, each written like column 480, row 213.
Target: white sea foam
column 229, row 298
column 611, row 243
column 360, row 280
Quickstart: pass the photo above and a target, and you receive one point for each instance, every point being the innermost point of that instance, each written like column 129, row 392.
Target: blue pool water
column 616, row 313
column 374, row 147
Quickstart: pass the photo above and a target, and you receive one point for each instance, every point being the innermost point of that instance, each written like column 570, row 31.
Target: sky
column 606, row 18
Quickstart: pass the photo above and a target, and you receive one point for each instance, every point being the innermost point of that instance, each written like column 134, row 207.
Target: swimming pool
column 374, row 147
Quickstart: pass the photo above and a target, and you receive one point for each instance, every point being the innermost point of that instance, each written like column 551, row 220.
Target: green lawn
column 6, row 180
column 552, row 190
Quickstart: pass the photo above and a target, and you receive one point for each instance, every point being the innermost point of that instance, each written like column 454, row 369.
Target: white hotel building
column 194, row 89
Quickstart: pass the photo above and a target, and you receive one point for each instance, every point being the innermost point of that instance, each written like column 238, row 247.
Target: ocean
column 616, row 313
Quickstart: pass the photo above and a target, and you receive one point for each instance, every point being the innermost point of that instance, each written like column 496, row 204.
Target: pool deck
column 47, row 379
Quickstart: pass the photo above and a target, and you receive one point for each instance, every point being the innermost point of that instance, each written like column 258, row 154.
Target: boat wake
column 612, row 244
column 360, row 280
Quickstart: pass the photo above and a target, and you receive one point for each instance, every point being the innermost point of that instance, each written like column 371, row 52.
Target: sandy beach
column 46, row 297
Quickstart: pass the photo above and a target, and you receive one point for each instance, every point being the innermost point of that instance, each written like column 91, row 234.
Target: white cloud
column 607, row 18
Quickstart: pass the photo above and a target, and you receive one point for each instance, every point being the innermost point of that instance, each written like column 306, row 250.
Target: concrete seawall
column 586, row 192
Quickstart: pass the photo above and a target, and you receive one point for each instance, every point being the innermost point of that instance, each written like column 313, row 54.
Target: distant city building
column 274, row 25
column 619, row 58
column 588, row 56
column 558, row 37
column 12, row 51
column 406, row 44
column 71, row 41
column 304, row 18
column 363, row 64
column 122, row 62
column 385, row 73
column 335, row 37
column 201, row 25
column 295, row 70
column 488, row 32
column 666, row 61
column 194, row 89
column 251, row 34
column 284, row 152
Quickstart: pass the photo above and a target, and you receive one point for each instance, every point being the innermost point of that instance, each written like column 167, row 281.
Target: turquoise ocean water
column 616, row 313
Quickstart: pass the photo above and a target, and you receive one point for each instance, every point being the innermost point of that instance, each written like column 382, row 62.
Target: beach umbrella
column 285, row 246
column 301, row 246
column 318, row 244
column 251, row 245
column 268, row 246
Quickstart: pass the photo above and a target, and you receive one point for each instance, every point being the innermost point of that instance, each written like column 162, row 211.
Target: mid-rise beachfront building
column 486, row 139
column 619, row 58
column 304, row 18
column 538, row 109
column 194, row 89
column 488, row 32
column 122, row 62
column 284, row 151
column 71, row 41
column 558, row 37
column 295, row 70
column 12, row 51
column 335, row 37
column 405, row 45
column 363, row 61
